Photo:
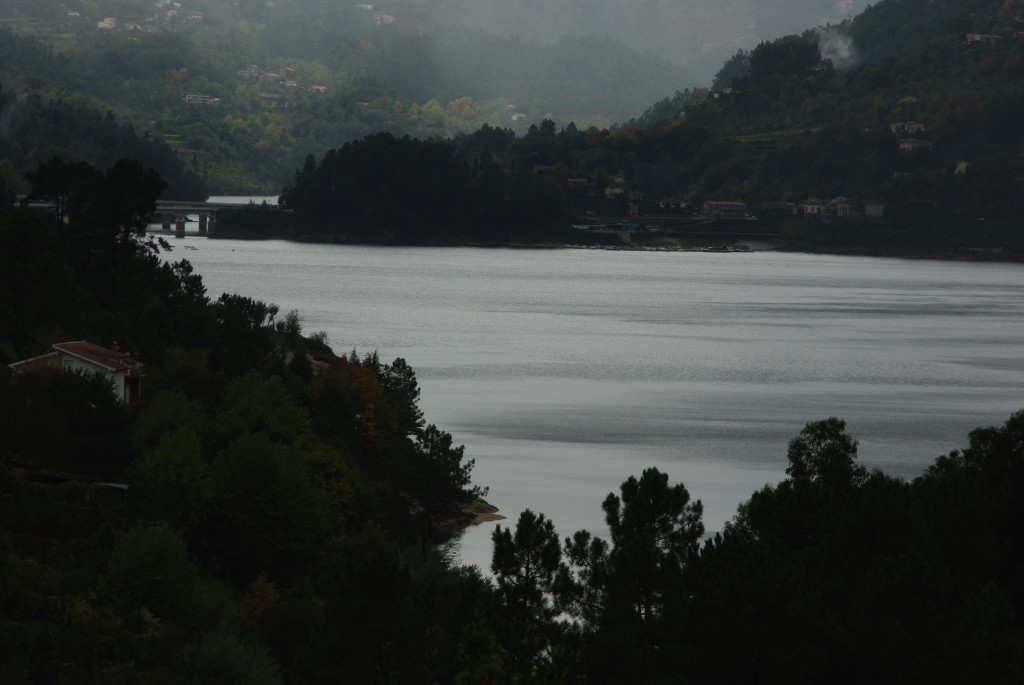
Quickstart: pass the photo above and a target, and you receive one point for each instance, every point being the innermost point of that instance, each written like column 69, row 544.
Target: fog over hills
column 243, row 90
column 696, row 34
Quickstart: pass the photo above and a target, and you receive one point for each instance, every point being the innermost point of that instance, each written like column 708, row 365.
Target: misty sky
column 697, row 34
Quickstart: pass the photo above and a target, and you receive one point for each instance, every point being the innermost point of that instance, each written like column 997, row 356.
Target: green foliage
column 631, row 592
column 825, row 453
column 36, row 282
column 310, row 481
column 241, row 332
column 443, row 466
column 65, row 185
column 221, row 657
column 787, row 56
column 167, row 412
column 266, row 513
column 892, row 28
column 736, row 68
column 130, row 192
column 525, row 565
column 383, row 189
column 103, row 209
column 398, row 407
column 885, row 580
column 66, row 422
column 171, row 482
column 822, row 115
column 257, row 405
column 364, row 582
column 440, row 479
column 150, row 569
column 80, row 132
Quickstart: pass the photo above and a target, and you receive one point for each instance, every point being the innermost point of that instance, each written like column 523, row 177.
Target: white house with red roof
column 123, row 372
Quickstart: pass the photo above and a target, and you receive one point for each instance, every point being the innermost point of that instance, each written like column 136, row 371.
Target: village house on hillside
column 123, row 372
column 914, row 145
column 202, row 100
column 841, row 207
column 907, row 128
column 725, row 208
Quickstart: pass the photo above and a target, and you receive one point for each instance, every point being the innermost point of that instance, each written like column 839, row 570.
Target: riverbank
column 480, row 511
column 940, row 238
column 974, row 254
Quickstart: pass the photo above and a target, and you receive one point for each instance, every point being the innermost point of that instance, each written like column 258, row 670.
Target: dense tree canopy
column 387, row 189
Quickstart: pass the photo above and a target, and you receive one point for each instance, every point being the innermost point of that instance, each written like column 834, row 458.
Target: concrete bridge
column 196, row 207
column 168, row 212
column 174, row 212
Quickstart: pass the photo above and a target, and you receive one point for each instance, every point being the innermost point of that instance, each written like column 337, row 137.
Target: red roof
column 107, row 358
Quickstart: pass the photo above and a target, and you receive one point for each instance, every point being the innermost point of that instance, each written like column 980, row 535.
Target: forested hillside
column 910, row 106
column 930, row 124
column 39, row 130
column 244, row 91
column 273, row 488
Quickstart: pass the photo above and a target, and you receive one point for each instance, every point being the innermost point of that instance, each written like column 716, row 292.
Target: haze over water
column 566, row 371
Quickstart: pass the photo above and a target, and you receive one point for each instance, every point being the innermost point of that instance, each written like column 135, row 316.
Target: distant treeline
column 402, row 190
column 37, row 129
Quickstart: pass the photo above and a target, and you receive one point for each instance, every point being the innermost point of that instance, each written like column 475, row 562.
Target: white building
column 123, row 372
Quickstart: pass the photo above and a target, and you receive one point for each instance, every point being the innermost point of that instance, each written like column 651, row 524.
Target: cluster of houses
column 111, row 23
column 737, row 209
column 284, row 76
column 172, row 10
column 166, row 10
column 906, row 132
column 380, row 18
column 201, row 100
column 812, row 206
column 637, row 202
column 991, row 38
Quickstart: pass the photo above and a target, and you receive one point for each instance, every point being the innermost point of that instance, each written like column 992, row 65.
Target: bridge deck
column 197, row 207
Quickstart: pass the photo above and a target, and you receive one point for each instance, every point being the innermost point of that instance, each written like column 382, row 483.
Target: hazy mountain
column 697, row 34
column 285, row 78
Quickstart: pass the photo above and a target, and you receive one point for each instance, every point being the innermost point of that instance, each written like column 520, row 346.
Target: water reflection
column 564, row 371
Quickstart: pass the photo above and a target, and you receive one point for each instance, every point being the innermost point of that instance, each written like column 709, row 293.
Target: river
column 566, row 371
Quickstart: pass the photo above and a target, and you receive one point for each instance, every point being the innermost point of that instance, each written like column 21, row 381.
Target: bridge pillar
column 211, row 224
column 179, row 228
column 166, row 224
column 202, row 222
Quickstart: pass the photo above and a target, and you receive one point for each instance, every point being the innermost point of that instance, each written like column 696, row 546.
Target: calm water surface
column 566, row 371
